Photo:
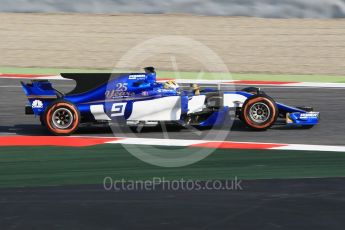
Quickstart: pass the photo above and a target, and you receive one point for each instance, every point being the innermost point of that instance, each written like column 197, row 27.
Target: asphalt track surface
column 266, row 204
column 329, row 101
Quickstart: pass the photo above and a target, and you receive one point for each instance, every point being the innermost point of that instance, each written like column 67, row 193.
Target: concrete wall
column 254, row 8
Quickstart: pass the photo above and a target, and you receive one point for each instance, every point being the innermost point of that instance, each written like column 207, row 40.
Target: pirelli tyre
column 62, row 118
column 259, row 112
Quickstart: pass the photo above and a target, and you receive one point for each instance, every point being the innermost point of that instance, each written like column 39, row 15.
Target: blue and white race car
column 138, row 99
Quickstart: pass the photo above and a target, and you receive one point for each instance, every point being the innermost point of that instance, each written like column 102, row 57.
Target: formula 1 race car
column 138, row 99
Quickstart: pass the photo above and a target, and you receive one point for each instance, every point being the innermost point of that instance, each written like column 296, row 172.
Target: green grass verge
column 46, row 166
column 192, row 75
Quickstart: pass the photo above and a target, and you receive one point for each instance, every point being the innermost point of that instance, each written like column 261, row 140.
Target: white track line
column 240, row 82
column 201, row 81
column 317, row 85
column 19, row 77
column 152, row 141
column 186, row 143
column 325, row 148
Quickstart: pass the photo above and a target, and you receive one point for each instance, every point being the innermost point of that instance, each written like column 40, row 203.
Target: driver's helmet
column 171, row 85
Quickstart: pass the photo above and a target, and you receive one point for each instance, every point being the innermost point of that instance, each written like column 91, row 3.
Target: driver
column 172, row 85
column 195, row 89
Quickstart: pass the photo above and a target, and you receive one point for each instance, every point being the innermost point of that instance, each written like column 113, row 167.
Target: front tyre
column 259, row 112
column 62, row 118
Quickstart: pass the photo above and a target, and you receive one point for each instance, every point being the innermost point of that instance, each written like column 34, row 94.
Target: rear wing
column 40, row 94
column 39, row 89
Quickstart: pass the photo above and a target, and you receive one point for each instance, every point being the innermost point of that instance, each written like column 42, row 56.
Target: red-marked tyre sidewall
column 55, row 130
column 245, row 117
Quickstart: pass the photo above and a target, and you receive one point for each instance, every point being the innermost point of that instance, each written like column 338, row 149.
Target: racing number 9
column 118, row 109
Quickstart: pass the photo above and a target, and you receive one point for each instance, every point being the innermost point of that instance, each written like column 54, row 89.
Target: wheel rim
column 259, row 112
column 62, row 118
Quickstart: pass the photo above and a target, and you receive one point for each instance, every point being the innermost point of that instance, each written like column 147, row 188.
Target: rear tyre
column 62, row 118
column 259, row 112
